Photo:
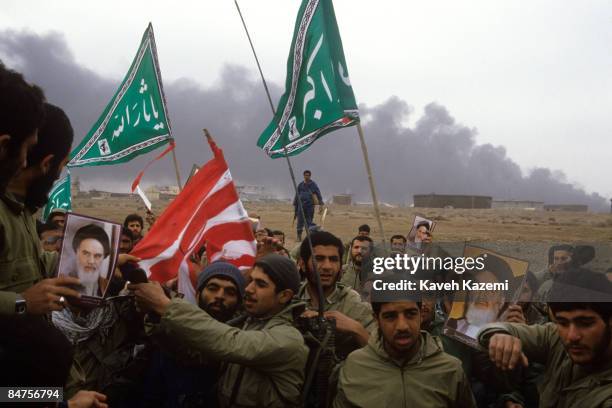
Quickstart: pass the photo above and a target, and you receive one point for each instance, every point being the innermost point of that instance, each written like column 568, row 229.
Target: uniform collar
column 12, row 202
column 428, row 347
column 330, row 300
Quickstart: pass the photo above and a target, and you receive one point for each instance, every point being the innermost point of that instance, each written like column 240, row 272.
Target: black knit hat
column 282, row 271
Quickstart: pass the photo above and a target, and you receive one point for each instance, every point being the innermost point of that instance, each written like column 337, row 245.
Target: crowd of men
column 255, row 338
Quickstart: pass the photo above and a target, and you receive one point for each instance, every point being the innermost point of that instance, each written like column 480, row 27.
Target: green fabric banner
column 135, row 121
column 318, row 95
column 59, row 197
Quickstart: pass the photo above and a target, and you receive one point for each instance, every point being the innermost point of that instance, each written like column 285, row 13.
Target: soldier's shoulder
column 360, row 357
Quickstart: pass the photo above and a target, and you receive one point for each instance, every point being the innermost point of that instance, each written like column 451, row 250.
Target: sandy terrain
column 452, row 224
column 521, row 233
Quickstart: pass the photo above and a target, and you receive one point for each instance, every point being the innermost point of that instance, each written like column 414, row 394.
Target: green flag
column 59, row 197
column 318, row 96
column 135, row 121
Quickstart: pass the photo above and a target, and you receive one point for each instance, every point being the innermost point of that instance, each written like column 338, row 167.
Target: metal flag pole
column 366, row 159
column 291, row 172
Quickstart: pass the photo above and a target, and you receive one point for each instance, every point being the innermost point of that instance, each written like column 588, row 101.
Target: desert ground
column 521, row 233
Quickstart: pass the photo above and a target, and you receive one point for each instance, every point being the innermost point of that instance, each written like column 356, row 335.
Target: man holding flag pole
column 318, row 96
column 318, row 99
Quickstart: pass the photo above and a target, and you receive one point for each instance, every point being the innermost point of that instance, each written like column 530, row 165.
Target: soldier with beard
column 134, row 223
column 30, row 344
column 21, row 114
column 576, row 349
column 184, row 378
column 263, row 360
column 361, row 248
column 21, row 275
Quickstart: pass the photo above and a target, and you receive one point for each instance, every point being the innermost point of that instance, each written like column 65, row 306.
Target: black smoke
column 437, row 154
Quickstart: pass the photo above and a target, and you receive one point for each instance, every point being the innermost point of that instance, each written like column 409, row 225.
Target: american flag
column 208, row 211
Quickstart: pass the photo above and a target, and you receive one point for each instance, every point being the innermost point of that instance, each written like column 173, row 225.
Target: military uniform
column 263, row 361
column 22, row 261
column 104, row 357
column 565, row 384
column 305, row 193
column 351, row 276
column 346, row 301
column 431, row 378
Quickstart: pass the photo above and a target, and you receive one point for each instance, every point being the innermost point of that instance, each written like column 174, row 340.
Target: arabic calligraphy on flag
column 136, row 119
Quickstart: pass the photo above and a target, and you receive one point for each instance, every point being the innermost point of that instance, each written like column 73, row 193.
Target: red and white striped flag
column 208, row 211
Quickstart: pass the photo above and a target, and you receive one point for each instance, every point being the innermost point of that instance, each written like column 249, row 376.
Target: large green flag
column 59, row 197
column 318, row 96
column 135, row 121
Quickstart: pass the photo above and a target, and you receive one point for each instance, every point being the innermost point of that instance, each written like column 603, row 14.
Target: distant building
column 451, row 201
column 567, row 207
column 342, row 199
column 518, row 204
column 162, row 192
column 99, row 195
column 253, row 193
column 122, row 195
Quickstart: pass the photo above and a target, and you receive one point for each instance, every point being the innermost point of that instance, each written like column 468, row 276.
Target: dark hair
column 47, row 226
column 591, row 290
column 21, row 107
column 307, row 172
column 361, row 239
column 498, row 267
column 403, row 238
column 269, row 232
column 278, row 232
column 127, row 232
column 92, row 231
column 364, row 228
column 423, row 224
column 54, row 137
column 55, row 212
column 376, row 306
column 320, row 238
column 561, row 247
column 132, row 218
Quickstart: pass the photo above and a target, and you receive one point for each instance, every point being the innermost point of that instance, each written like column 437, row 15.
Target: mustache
column 403, row 335
column 219, row 304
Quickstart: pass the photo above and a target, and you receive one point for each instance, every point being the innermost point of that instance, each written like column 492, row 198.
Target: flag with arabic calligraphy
column 59, row 198
column 136, row 119
column 318, row 95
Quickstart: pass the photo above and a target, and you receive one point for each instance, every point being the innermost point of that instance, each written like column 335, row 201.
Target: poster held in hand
column 474, row 308
column 89, row 252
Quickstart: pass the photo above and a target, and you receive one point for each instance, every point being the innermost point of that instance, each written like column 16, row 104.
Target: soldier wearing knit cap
column 220, row 289
column 264, row 357
column 281, row 270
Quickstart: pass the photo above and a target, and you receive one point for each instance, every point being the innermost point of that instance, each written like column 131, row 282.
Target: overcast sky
column 532, row 76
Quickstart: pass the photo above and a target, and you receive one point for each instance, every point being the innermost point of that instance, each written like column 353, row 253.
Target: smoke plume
column 437, row 154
